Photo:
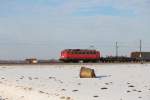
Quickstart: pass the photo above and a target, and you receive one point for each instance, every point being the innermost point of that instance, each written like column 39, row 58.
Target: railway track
column 98, row 63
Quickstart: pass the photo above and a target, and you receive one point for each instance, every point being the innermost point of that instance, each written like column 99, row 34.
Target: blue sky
column 42, row 28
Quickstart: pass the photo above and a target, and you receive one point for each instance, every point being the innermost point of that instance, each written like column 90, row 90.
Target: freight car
column 80, row 55
column 119, row 59
column 144, row 56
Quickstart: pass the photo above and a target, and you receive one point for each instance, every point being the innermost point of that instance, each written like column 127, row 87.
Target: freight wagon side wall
column 145, row 55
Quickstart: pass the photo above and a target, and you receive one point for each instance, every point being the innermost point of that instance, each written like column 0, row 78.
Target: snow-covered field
column 62, row 82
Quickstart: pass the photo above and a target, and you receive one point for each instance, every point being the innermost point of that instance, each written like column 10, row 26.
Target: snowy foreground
column 62, row 82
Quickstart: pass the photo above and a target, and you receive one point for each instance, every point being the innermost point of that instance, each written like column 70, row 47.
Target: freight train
column 87, row 55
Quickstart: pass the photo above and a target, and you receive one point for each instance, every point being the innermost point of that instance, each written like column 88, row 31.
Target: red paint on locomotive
column 79, row 54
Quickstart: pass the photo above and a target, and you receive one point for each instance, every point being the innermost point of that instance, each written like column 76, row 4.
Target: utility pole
column 140, row 46
column 117, row 49
column 141, row 50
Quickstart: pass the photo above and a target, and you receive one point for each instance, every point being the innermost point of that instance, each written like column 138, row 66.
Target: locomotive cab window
column 83, row 52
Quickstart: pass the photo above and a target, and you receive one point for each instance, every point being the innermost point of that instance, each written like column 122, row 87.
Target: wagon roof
column 79, row 50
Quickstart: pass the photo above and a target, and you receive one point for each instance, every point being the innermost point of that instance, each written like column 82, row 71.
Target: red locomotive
column 77, row 55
